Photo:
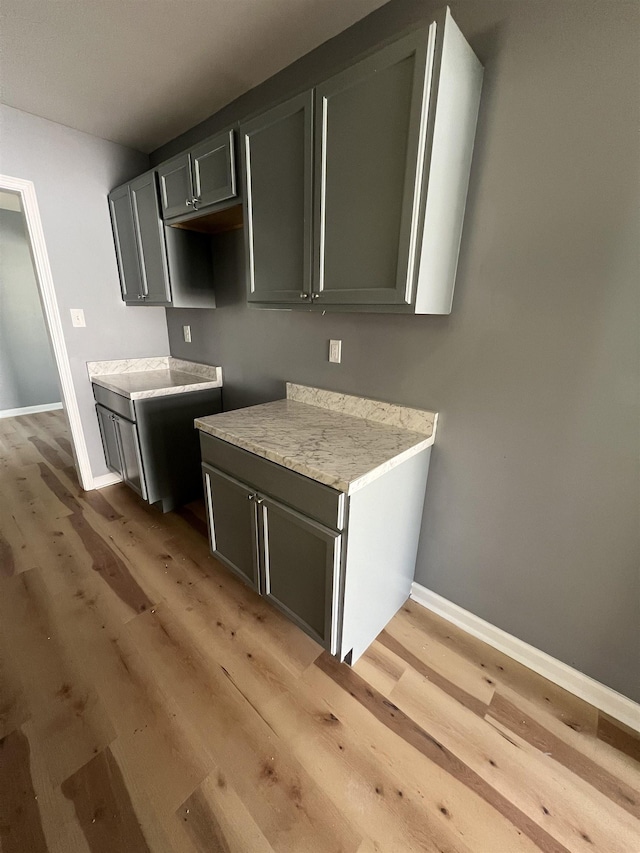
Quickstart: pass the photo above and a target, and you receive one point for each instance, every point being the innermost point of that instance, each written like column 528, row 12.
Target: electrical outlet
column 186, row 331
column 335, row 352
column 77, row 317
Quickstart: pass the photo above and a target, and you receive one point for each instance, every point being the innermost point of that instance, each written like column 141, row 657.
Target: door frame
column 46, row 290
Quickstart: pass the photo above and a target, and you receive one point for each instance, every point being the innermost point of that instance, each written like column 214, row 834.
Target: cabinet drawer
column 315, row 500
column 115, row 402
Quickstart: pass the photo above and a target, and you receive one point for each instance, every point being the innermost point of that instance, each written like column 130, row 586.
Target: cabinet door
column 176, row 190
column 106, row 421
column 277, row 158
column 301, row 565
column 124, row 235
column 131, row 460
column 370, row 127
column 213, row 170
column 151, row 240
column 231, row 512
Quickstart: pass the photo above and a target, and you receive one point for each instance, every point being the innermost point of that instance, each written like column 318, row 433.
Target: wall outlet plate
column 77, row 317
column 335, row 352
column 186, row 334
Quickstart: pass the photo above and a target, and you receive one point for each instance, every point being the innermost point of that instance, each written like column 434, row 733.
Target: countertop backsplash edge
column 392, row 414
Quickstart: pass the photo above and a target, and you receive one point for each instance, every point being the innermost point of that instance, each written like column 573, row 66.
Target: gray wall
column 531, row 517
column 72, row 173
column 28, row 375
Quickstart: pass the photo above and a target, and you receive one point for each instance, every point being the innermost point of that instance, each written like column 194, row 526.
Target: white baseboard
column 30, row 410
column 106, row 480
column 599, row 695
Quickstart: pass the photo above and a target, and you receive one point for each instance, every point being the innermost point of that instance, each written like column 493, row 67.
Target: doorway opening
column 20, row 196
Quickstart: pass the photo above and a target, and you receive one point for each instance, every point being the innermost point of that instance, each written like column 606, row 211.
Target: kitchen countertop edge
column 329, row 474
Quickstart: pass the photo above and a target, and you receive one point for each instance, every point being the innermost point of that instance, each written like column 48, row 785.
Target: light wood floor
column 150, row 702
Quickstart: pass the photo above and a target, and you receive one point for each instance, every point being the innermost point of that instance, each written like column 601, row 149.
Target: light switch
column 335, row 352
column 186, row 332
column 77, row 317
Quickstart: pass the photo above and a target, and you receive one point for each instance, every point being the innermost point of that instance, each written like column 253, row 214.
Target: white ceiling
column 140, row 72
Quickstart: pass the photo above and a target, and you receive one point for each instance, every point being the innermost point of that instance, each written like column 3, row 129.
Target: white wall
column 28, row 375
column 72, row 173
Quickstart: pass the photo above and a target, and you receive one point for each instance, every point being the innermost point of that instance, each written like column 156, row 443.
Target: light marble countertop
column 333, row 445
column 138, row 379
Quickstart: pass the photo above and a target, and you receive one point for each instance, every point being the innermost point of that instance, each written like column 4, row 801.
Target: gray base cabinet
column 384, row 149
column 151, row 442
column 338, row 566
column 122, row 448
column 308, row 597
column 233, row 528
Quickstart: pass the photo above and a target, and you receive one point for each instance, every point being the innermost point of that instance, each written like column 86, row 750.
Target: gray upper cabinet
column 389, row 171
column 176, row 191
column 278, row 170
column 140, row 242
column 126, row 244
column 367, row 137
column 213, row 170
column 151, row 240
column 199, row 178
column 158, row 265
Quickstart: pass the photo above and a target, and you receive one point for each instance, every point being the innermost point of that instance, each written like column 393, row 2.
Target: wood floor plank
column 69, row 571
column 103, row 807
column 20, row 824
column 143, row 686
column 380, row 666
column 61, row 828
column 393, row 793
column 291, row 811
column 617, row 764
column 517, row 721
column 66, row 716
column 180, row 570
column 54, row 456
column 467, row 699
column 13, row 703
column 7, row 558
column 105, row 559
column 17, row 552
column 249, row 643
column 247, row 614
column 520, row 776
column 500, row 669
column 217, row 820
column 56, row 540
column 94, row 499
column 621, row 737
column 424, row 741
column 150, row 740
column 440, row 658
